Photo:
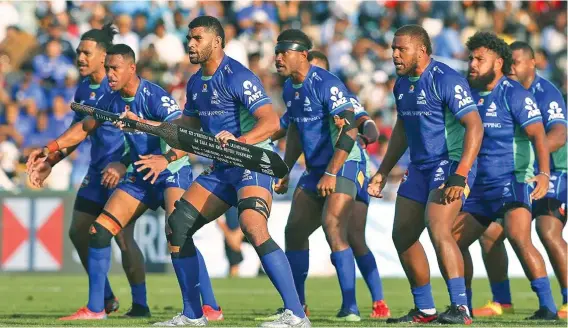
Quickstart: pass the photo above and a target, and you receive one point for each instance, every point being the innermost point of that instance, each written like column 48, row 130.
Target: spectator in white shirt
column 125, row 34
column 234, row 48
column 168, row 46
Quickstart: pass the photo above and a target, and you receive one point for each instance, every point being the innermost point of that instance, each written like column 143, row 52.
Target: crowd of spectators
column 38, row 42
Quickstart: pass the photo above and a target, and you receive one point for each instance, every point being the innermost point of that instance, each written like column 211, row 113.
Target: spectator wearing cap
column 168, row 47
column 260, row 39
column 126, row 35
column 245, row 17
column 52, row 65
column 55, row 31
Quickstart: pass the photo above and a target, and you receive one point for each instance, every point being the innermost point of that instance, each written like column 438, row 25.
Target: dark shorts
column 554, row 202
column 417, row 183
column 225, row 181
column 92, row 195
column 350, row 179
column 488, row 203
column 152, row 195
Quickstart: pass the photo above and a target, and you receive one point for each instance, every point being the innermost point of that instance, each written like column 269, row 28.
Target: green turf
column 39, row 299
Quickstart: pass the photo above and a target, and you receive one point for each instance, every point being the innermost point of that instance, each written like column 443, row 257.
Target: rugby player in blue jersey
column 226, row 99
column 137, row 99
column 109, row 161
column 321, row 126
column 549, row 211
column 298, row 232
column 440, row 126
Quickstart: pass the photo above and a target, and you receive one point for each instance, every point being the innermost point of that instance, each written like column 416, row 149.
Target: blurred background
column 38, row 41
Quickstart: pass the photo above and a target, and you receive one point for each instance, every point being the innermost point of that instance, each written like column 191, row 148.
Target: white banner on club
column 209, row 240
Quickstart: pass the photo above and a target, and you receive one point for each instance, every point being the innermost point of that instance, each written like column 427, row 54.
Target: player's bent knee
column 105, row 227
column 267, row 247
column 184, row 221
column 257, row 204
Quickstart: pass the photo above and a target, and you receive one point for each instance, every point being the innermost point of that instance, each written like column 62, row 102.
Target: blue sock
column 456, row 288
column 205, row 288
column 501, row 292
column 541, row 287
column 469, row 294
column 300, row 264
column 345, row 266
column 423, row 299
column 368, row 267
column 139, row 294
column 108, row 291
column 564, row 292
column 187, row 272
column 98, row 266
column 277, row 268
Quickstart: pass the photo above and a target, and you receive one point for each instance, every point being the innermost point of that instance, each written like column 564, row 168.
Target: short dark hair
column 102, row 37
column 315, row 54
column 521, row 45
column 416, row 32
column 123, row 50
column 211, row 24
column 296, row 36
column 492, row 42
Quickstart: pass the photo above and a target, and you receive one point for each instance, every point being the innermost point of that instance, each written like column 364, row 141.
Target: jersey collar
column 222, row 64
column 534, row 83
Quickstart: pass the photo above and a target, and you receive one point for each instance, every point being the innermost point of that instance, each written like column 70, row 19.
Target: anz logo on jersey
column 462, row 96
column 555, row 112
column 251, row 91
column 170, row 104
column 337, row 97
column 531, row 107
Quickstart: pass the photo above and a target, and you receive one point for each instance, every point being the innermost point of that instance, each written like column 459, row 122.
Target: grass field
column 39, row 299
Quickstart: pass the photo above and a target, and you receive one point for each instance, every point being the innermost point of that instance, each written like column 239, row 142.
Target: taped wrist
column 171, row 156
column 455, row 180
column 346, row 122
column 54, row 158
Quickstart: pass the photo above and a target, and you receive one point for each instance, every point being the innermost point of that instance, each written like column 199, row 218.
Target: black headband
column 282, row 46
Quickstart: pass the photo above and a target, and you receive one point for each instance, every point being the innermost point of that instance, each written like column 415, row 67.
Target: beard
column 481, row 81
column 203, row 55
column 409, row 68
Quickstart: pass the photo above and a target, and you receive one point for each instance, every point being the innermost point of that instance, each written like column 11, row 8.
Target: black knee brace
column 184, row 221
column 267, row 247
column 100, row 236
column 254, row 203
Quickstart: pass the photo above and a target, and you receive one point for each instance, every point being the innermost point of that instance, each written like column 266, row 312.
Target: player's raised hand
column 36, row 156
column 112, row 174
column 281, row 187
column 541, row 181
column 376, row 185
column 326, row 185
column 38, row 173
column 154, row 163
column 223, row 137
column 453, row 188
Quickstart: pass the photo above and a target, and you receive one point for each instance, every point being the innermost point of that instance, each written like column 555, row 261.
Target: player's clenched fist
column 223, row 137
column 326, row 185
column 376, row 185
column 281, row 187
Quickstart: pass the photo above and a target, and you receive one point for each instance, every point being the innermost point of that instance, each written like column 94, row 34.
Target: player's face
column 405, row 54
column 90, row 58
column 119, row 71
column 288, row 62
column 523, row 67
column 201, row 43
column 483, row 67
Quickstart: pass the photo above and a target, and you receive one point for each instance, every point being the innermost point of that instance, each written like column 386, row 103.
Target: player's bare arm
column 267, row 123
column 291, row 155
column 538, row 137
column 454, row 186
column 396, row 148
column 345, row 141
column 367, row 129
column 556, row 137
column 281, row 133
